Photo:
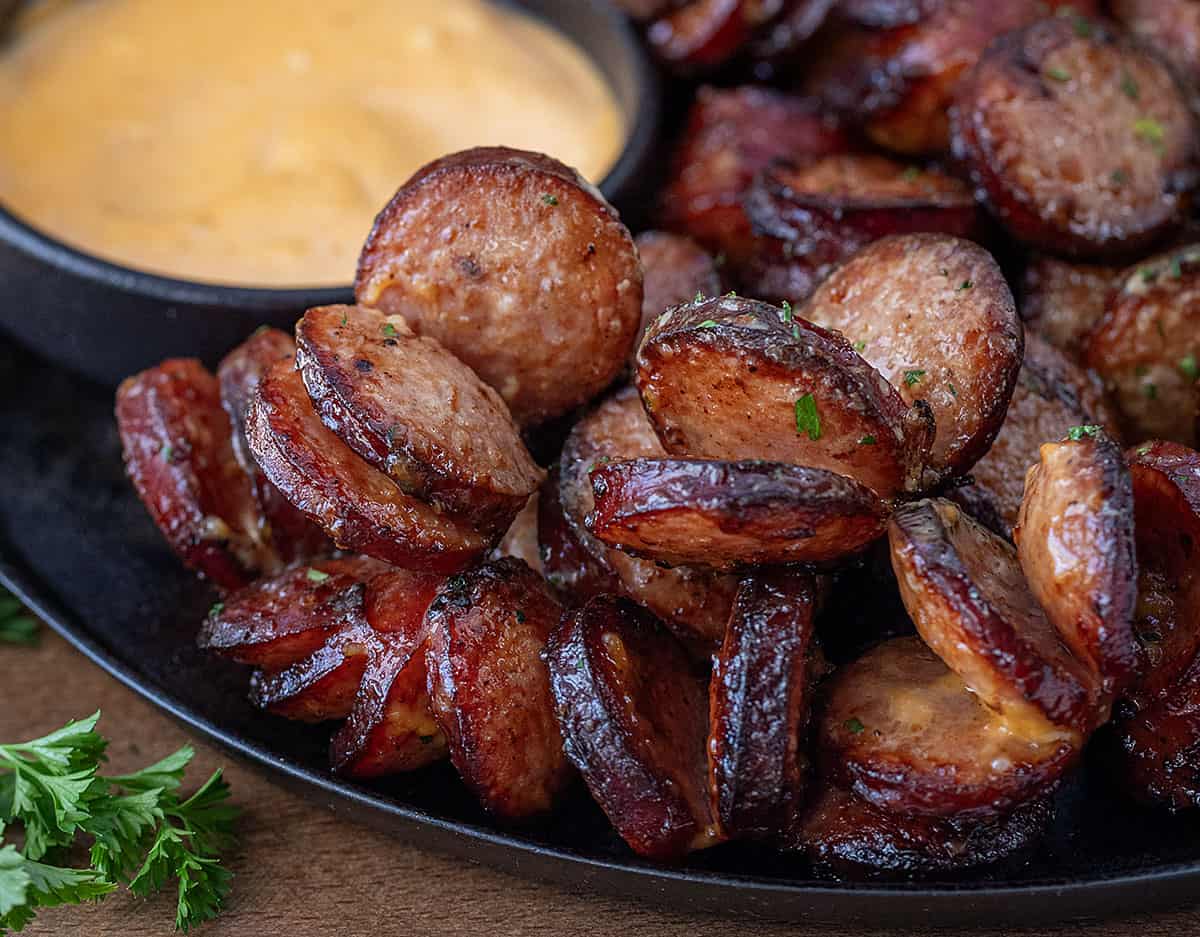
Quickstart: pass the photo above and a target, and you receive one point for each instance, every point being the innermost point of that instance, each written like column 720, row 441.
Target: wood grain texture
column 302, row 871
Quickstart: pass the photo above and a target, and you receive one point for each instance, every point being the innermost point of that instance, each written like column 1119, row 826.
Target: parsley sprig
column 142, row 833
column 16, row 627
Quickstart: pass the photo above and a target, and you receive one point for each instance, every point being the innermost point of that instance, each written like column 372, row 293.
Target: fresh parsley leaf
column 1129, row 86
column 867, row 441
column 548, row 199
column 1149, row 130
column 42, row 886
column 16, row 627
column 807, row 418
column 787, row 311
column 854, row 725
column 1189, row 367
column 699, row 297
column 315, row 575
column 708, row 324
column 913, row 377
column 965, row 285
column 860, row 347
column 1058, row 74
column 1076, row 433
column 389, row 330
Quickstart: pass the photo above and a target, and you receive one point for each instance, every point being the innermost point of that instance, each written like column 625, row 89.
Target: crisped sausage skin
column 759, row 705
column 518, row 266
column 1079, row 138
column 178, row 453
column 1075, row 542
column 633, row 714
column 413, row 410
column 676, row 269
column 357, row 505
column 729, row 514
column 490, row 688
column 934, row 315
column 324, row 685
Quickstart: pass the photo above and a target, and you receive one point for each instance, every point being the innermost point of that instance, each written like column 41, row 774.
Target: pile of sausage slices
column 1006, row 491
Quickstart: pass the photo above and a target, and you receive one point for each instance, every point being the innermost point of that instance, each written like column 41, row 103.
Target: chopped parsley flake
column 1130, row 86
column 315, row 575
column 913, row 377
column 1188, row 365
column 548, row 199
column 867, row 441
column 1119, row 177
column 787, row 311
column 345, row 318
column 389, row 330
column 1142, row 450
column 1058, row 74
column 1148, row 274
column 911, row 173
column 854, row 725
column 966, row 285
column 520, row 616
column 1083, row 26
column 807, row 418
column 1150, row 130
column 860, row 347
column 1175, row 270
column 1151, row 391
column 699, row 298
column 1076, row 433
column 708, row 324
column 217, row 609
column 167, row 452
column 953, row 390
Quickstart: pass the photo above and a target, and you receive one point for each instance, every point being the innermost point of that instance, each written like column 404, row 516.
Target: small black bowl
column 106, row 321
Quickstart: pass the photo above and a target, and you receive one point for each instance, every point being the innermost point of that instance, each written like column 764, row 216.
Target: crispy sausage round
column 702, row 34
column 1075, row 542
column 1063, row 301
column 490, row 689
column 759, row 704
column 729, row 514
column 633, row 714
column 935, row 316
column 736, row 379
column 322, row 686
column 356, row 504
column 845, row 837
column 1052, row 395
column 414, row 411
column 277, row 621
column 965, row 591
column 1079, row 138
column 1171, row 28
column 694, row 603
column 676, row 270
column 812, row 217
column 574, row 571
column 178, row 453
column 902, row 730
column 391, row 728
column 732, row 133
column 1166, row 492
column 1147, row 346
column 291, row 533
column 515, row 264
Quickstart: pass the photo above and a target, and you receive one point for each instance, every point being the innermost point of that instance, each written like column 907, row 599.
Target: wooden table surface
column 301, row 871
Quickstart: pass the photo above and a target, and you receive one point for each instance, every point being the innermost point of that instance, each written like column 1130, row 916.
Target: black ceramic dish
column 76, row 544
column 107, row 321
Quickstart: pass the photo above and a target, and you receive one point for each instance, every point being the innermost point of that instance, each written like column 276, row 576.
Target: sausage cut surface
column 323, row 686
column 413, row 410
column 729, row 514
column 516, row 265
column 1147, row 346
column 1075, row 542
column 730, row 379
column 490, row 688
column 966, row 593
column 178, row 453
column 759, row 705
column 1080, row 138
column 634, row 714
column 1063, row 301
column 901, row 730
column 356, row 504
column 934, row 315
column 676, row 270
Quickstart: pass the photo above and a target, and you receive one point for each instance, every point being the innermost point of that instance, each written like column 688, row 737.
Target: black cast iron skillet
column 108, row 321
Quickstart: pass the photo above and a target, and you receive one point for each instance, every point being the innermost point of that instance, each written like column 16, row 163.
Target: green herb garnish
column 1150, row 130
column 1189, row 367
column 787, row 311
column 860, row 347
column 708, row 324
column 389, row 330
column 16, row 626
column 1129, row 85
column 1058, row 74
column 167, row 452
column 965, row 285
column 1076, row 433
column 867, row 441
column 548, row 199
column 315, row 575
column 807, row 418
column 854, row 725
column 913, row 377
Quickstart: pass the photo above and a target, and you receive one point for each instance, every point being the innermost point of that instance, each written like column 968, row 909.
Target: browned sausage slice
column 845, row 837
column 1171, row 28
column 965, row 591
column 730, row 135
column 414, row 411
column 516, row 265
column 1166, row 492
column 1075, row 541
column 490, row 688
column 391, row 728
column 702, row 34
column 729, row 514
column 278, row 621
column 902, row 730
column 676, row 270
column 634, row 714
column 1063, row 301
column 1052, row 395
column 1080, row 139
column 357, row 505
column 759, row 703
column 291, row 533
column 736, row 379
column 324, row 685
column 574, row 572
column 934, row 315
column 694, row 603
column 816, row 215
column 179, row 455
column 1147, row 346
